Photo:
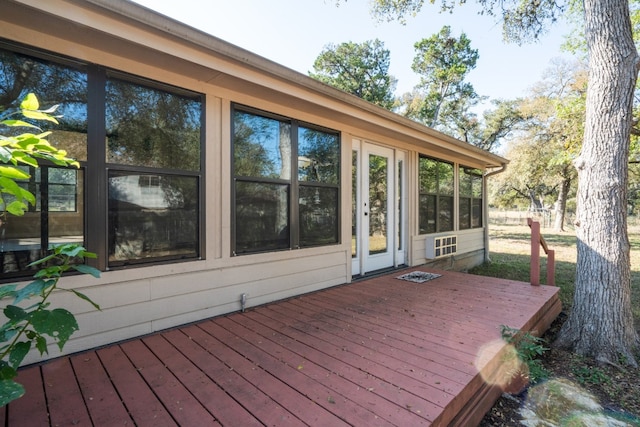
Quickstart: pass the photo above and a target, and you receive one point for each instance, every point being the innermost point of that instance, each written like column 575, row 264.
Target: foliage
column 522, row 19
column 445, row 101
column 510, row 257
column 590, row 374
column 541, row 170
column 495, row 125
column 528, row 349
column 28, row 327
column 443, row 62
column 361, row 69
column 25, row 149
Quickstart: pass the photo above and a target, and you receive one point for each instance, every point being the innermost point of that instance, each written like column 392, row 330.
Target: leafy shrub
column 28, row 327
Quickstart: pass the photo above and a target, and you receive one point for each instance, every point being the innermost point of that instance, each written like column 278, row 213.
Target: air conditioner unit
column 440, row 246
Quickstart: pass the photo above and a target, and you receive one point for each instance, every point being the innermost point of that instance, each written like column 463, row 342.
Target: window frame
column 438, row 196
column 294, row 184
column 96, row 168
column 470, row 198
column 104, row 75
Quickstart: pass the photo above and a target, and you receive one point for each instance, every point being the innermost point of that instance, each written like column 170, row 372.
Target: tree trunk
column 561, row 204
column 535, row 204
column 600, row 323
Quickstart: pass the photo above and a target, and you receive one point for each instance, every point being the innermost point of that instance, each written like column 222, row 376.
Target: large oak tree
column 600, row 324
column 361, row 69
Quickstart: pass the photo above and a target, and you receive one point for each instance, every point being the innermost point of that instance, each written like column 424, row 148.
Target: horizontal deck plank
column 141, row 402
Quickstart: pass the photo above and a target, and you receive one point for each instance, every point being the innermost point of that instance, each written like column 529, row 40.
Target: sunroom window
column 286, row 183
column 436, row 195
column 153, row 161
column 58, row 215
column 137, row 195
column 470, row 198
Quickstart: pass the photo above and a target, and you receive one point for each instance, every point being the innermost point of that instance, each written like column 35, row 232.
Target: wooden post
column 551, row 267
column 535, row 251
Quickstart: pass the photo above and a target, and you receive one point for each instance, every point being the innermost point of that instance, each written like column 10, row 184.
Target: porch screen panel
column 286, row 183
column 470, row 200
column 58, row 215
column 318, row 178
column 153, row 159
column 436, row 202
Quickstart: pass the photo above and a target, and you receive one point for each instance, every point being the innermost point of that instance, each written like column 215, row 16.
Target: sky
column 294, row 32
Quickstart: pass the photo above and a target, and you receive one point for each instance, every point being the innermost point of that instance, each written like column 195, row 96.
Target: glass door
column 378, row 207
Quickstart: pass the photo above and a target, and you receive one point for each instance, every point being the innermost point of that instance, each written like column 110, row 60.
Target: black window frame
column 114, row 167
column 96, row 167
column 470, row 198
column 294, row 184
column 437, row 199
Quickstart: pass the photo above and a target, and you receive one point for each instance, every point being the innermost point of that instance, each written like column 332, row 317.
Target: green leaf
column 84, row 297
column 18, row 353
column 37, row 287
column 41, row 345
column 16, row 208
column 30, row 102
column 15, row 313
column 10, row 391
column 59, row 324
column 29, row 196
column 18, row 123
column 6, row 371
column 8, row 290
column 71, row 250
column 13, row 172
column 7, row 332
column 6, row 154
column 25, row 158
column 26, row 141
column 86, row 269
column 10, row 186
column 41, row 260
column 44, row 147
column 38, row 115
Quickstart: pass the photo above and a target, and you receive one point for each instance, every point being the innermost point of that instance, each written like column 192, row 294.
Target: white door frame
column 396, row 221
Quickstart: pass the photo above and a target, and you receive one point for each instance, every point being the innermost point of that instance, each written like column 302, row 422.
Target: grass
column 510, row 254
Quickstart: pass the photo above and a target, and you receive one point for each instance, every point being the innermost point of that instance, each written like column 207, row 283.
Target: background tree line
column 540, row 133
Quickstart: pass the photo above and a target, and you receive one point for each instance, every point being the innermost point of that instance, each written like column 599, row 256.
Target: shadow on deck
column 381, row 351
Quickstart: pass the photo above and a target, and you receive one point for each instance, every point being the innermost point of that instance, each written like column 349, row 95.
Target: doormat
column 418, row 276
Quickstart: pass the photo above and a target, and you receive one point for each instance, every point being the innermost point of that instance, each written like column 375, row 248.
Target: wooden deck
column 378, row 352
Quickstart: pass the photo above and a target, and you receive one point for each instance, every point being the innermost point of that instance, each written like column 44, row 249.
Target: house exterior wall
column 139, row 300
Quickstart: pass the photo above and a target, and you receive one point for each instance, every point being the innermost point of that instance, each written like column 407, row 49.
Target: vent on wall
column 439, row 246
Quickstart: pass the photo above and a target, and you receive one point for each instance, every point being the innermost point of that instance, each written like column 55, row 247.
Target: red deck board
column 183, row 407
column 377, row 364
column 385, row 341
column 137, row 396
column 208, row 353
column 64, row 399
column 441, row 350
column 381, row 351
column 204, row 388
column 259, row 368
column 35, row 406
column 101, row 398
column 347, row 380
column 306, row 375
